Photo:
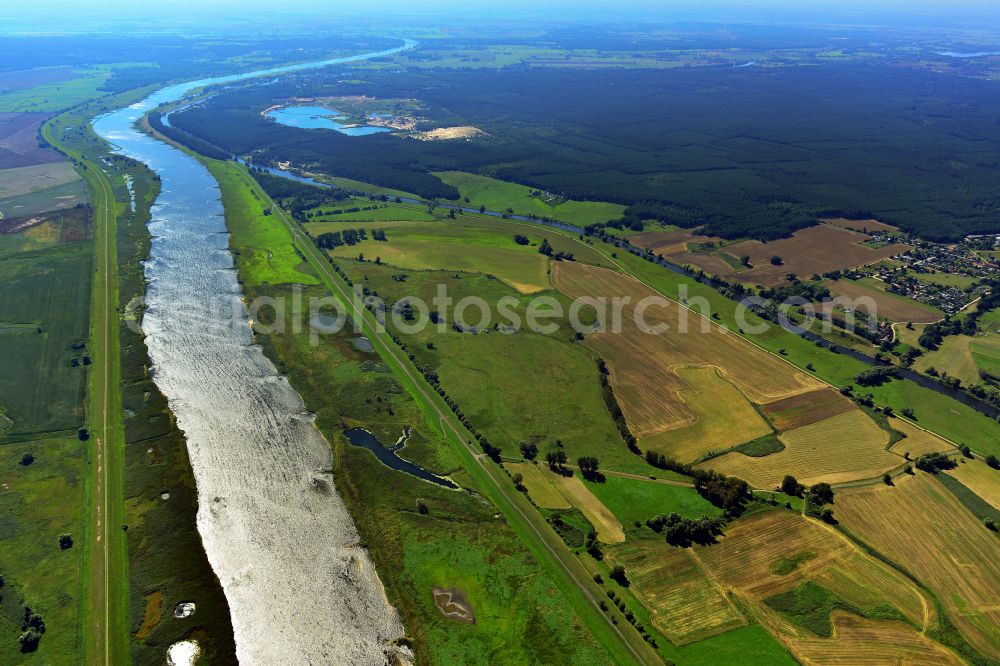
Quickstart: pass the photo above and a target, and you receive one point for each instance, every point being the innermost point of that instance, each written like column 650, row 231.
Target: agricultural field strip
column 761, row 379
column 839, row 449
column 629, row 274
column 104, row 416
column 744, row 559
column 606, row 254
column 966, row 579
column 521, row 514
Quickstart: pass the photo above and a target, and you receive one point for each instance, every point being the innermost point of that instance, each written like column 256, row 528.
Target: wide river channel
column 300, row 588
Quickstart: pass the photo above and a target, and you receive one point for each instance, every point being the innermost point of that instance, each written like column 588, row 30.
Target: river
column 300, row 588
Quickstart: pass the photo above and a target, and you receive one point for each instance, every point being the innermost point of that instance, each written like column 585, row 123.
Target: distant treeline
column 295, row 196
column 187, row 139
column 748, row 152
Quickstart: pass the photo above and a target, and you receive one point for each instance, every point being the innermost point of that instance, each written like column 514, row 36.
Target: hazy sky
column 65, row 14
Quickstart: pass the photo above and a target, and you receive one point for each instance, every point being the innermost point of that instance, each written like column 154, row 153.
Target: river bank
column 245, row 431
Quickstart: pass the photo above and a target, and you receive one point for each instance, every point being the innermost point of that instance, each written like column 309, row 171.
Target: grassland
column 469, row 545
column 637, row 500
column 44, row 286
column 453, row 247
column 945, row 279
column 261, row 243
column 55, row 96
column 499, row 195
column 37, row 504
column 532, row 368
column 57, row 197
column 540, row 485
column 922, row 527
column 22, row 180
column 846, row 447
column 963, row 356
column 643, row 366
column 723, row 418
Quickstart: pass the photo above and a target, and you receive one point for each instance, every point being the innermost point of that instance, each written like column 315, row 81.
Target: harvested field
column 724, row 418
column 981, row 479
column 891, row 306
column 684, row 602
column 609, row 530
column 858, row 640
column 670, row 242
column 774, row 552
column 864, row 226
column 814, row 250
column 23, row 180
column 19, row 140
column 917, row 441
column 540, row 485
column 920, row 525
column 806, row 408
column 710, row 263
column 843, row 448
column 769, row 553
column 644, row 366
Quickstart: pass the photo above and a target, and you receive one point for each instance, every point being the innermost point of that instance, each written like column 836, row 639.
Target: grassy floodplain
column 155, row 559
column 515, row 415
column 451, row 543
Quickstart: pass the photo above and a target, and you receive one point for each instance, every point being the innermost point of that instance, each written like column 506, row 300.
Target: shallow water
column 276, row 532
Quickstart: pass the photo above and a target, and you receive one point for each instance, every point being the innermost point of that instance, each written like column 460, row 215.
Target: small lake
column 320, row 117
column 387, row 456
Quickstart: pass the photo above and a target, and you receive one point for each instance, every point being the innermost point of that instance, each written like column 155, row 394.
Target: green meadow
column 499, row 195
column 54, row 96
column 261, row 243
column 45, row 275
column 633, row 500
column 36, row 507
column 457, row 541
column 437, row 246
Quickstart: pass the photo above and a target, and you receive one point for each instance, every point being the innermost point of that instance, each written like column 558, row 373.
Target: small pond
column 387, row 456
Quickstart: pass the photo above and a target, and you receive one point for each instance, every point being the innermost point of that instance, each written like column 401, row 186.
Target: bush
column 934, row 462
